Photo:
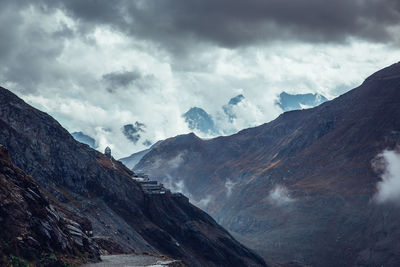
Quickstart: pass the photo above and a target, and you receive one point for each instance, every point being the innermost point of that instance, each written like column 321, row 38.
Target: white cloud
column 279, row 196
column 229, row 185
column 388, row 164
column 178, row 186
column 68, row 84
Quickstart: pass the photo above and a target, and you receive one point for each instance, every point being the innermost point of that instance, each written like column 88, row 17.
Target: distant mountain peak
column 83, row 138
column 236, row 100
column 229, row 108
column 198, row 119
column 289, row 102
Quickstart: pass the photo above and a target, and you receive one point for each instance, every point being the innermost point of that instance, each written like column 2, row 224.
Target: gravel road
column 129, row 261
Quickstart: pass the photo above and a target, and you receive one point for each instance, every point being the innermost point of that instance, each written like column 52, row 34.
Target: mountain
column 302, row 186
column 228, row 108
column 105, row 192
column 133, row 159
column 198, row 119
column 34, row 230
column 83, row 138
column 289, row 102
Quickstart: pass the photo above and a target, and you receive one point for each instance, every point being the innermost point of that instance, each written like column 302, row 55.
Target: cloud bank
column 99, row 65
column 388, row 164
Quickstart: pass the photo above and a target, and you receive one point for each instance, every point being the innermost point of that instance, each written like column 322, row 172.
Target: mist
column 279, row 196
column 388, row 165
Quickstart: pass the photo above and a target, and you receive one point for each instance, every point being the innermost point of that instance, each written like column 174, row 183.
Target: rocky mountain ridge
column 301, row 183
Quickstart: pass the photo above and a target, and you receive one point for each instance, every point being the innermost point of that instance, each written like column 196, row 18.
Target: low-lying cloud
column 388, row 165
column 178, row 186
column 279, row 196
column 229, row 185
column 174, row 183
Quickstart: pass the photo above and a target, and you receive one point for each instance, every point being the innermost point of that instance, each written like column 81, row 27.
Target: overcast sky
column 98, row 65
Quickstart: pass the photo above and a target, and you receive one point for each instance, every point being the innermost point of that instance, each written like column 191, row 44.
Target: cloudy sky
column 99, row 65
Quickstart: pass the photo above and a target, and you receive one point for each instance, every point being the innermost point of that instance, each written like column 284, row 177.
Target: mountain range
column 302, row 187
column 101, row 190
column 202, row 122
column 197, row 119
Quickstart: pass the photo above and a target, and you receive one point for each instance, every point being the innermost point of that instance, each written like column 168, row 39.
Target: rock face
column 103, row 191
column 302, row 183
column 31, row 228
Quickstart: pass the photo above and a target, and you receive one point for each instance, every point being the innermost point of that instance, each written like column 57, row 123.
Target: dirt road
column 130, row 260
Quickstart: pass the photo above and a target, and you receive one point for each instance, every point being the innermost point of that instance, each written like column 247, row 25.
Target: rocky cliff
column 102, row 190
column 33, row 230
column 300, row 187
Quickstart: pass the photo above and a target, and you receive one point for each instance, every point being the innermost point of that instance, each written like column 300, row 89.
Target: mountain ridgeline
column 300, row 187
column 102, row 190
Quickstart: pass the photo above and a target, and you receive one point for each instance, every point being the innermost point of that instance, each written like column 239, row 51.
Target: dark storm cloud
column 132, row 131
column 234, row 23
column 27, row 50
column 117, row 80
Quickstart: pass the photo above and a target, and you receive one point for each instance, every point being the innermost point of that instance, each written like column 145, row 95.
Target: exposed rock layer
column 31, row 228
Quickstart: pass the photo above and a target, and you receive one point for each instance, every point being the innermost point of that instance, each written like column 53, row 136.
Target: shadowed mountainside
column 103, row 191
column 302, row 183
column 32, row 228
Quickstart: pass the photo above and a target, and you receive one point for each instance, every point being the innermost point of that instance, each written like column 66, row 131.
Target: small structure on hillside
column 107, row 152
column 153, row 187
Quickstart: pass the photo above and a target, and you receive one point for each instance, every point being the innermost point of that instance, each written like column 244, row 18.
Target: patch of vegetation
column 52, row 261
column 18, row 262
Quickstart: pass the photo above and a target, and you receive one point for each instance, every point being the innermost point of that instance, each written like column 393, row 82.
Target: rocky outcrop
column 301, row 183
column 32, row 229
column 102, row 190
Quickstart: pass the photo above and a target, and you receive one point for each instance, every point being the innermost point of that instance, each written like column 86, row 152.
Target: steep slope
column 31, row 228
column 102, row 189
column 302, row 183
